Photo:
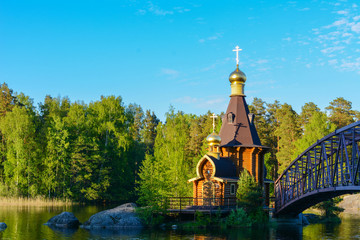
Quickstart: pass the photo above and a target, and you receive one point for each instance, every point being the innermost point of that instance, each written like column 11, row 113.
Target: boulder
column 64, row 220
column 123, row 216
column 3, row 226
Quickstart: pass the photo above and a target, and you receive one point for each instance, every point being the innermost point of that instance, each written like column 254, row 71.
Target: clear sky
column 162, row 53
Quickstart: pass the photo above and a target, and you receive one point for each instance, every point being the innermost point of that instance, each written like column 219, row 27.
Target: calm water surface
column 27, row 223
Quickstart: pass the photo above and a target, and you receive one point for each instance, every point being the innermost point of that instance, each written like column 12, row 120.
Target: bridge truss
column 328, row 168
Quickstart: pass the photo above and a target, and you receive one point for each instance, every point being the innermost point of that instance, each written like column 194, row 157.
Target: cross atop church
column 214, row 116
column 237, row 50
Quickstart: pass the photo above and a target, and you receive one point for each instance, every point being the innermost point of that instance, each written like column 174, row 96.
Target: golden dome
column 237, row 76
column 213, row 139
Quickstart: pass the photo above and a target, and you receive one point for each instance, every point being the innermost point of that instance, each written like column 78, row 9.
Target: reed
column 37, row 201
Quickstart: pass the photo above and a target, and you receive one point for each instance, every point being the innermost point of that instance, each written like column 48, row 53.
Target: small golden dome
column 213, row 139
column 237, row 76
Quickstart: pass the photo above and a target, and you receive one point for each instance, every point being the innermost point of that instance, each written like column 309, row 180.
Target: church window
column 232, row 189
column 230, row 117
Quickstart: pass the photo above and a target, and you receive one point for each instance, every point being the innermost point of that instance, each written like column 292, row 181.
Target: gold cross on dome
column 214, row 116
column 237, row 50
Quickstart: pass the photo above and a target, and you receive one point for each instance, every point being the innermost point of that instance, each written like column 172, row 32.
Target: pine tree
column 288, row 132
column 249, row 194
column 306, row 112
column 271, row 161
column 148, row 133
column 341, row 113
column 258, row 108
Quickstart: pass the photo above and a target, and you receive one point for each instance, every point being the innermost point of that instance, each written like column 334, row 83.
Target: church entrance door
column 208, row 193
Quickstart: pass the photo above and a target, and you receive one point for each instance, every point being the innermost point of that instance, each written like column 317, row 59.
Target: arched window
column 230, row 118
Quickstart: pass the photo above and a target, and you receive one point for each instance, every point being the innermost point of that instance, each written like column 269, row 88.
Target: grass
column 38, row 201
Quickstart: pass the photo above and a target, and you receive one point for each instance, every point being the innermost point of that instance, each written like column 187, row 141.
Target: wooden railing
column 199, row 203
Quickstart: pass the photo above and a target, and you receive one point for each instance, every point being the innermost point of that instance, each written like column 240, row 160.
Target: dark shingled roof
column 240, row 132
column 224, row 167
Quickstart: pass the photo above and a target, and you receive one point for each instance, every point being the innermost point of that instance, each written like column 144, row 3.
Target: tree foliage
column 106, row 150
column 318, row 127
column 329, row 208
column 307, row 111
column 249, row 194
column 179, row 144
column 288, row 131
column 341, row 113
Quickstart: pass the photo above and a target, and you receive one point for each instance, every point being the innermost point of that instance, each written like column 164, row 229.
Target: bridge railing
column 181, row 203
column 332, row 161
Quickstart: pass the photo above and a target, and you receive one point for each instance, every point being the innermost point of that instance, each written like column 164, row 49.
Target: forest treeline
column 105, row 150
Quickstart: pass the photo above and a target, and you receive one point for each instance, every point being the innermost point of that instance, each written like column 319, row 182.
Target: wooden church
column 237, row 148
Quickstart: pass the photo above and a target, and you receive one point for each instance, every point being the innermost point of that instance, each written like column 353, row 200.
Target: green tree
column 7, row 102
column 258, row 108
column 329, row 208
column 7, row 99
column 264, row 123
column 306, row 112
column 152, row 187
column 288, row 132
column 135, row 118
column 317, row 128
column 57, row 161
column 114, row 176
column 249, row 194
column 271, row 161
column 341, row 113
column 55, row 145
column 21, row 163
column 170, row 145
column 148, row 133
column 85, row 154
column 171, row 167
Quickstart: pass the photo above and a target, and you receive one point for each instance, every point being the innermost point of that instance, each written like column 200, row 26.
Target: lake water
column 27, row 223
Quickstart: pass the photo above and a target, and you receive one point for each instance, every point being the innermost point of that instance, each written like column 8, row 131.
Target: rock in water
column 64, row 220
column 123, row 216
column 3, row 226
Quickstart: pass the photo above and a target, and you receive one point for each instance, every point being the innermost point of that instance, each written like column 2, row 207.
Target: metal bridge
column 328, row 168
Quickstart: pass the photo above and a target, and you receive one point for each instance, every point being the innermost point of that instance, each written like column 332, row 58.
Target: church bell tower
column 239, row 139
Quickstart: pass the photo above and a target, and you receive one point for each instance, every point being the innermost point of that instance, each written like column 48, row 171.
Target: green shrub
column 238, row 217
column 151, row 216
column 329, row 208
column 250, row 198
column 249, row 194
column 202, row 219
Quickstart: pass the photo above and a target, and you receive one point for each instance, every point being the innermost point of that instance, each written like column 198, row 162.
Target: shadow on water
column 123, row 232
column 67, row 232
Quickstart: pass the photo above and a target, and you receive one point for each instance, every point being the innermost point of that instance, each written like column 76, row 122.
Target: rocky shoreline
column 121, row 217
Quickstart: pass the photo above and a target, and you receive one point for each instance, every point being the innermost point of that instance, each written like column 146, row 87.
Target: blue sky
column 162, row 53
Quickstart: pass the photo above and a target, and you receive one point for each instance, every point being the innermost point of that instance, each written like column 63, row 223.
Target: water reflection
column 27, row 223
column 124, row 232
